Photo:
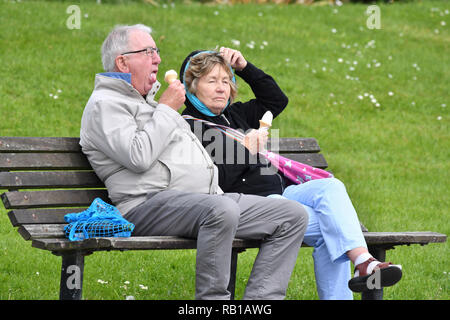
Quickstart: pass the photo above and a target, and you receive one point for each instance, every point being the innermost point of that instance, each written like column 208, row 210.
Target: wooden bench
column 47, row 178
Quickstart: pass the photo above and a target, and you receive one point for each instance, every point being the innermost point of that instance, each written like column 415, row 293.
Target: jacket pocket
column 161, row 175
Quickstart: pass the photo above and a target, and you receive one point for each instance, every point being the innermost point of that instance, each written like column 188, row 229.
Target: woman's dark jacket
column 238, row 173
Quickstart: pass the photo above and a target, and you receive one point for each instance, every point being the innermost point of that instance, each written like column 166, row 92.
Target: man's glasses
column 150, row 51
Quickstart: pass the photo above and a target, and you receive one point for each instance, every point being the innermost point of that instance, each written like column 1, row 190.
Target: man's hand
column 174, row 95
column 234, row 58
column 256, row 141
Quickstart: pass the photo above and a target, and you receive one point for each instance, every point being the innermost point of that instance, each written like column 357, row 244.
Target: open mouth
column 153, row 76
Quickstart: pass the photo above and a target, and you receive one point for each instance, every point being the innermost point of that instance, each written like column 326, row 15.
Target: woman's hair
column 202, row 64
column 117, row 42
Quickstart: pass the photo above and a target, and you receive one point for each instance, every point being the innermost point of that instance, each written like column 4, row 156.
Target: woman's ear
column 121, row 64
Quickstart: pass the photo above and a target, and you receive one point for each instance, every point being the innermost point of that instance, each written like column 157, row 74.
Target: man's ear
column 121, row 64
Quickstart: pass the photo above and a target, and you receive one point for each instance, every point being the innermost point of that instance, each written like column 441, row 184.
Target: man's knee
column 225, row 213
column 296, row 214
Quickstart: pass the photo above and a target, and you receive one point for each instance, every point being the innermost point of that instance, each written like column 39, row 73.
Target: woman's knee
column 335, row 184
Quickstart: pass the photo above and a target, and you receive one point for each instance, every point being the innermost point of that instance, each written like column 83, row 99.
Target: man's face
column 143, row 67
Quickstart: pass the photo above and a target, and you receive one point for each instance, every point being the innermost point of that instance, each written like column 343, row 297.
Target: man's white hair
column 117, row 42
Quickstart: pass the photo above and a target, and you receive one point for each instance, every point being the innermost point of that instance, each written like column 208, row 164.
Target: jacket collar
column 126, row 77
column 118, row 75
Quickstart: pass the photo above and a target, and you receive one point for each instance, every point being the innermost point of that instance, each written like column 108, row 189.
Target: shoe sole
column 388, row 277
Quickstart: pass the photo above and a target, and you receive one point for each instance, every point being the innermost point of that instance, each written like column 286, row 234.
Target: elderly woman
column 334, row 230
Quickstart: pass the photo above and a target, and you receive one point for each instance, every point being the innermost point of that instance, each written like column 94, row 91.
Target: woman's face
column 213, row 89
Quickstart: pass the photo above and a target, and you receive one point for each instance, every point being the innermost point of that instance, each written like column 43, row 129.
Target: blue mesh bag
column 99, row 220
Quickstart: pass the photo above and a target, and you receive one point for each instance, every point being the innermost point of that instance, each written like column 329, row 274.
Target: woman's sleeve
column 268, row 96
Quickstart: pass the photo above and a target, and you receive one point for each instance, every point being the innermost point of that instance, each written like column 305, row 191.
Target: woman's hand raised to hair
column 234, row 58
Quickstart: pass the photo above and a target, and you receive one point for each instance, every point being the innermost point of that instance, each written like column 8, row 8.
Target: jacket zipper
column 222, row 115
column 281, row 182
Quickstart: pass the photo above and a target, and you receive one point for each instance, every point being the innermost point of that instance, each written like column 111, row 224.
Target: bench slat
column 399, row 238
column 43, row 161
column 48, row 179
column 71, row 144
column 294, row 145
column 40, row 216
column 39, row 144
column 77, row 161
column 38, row 231
column 132, row 243
column 313, row 159
column 53, row 198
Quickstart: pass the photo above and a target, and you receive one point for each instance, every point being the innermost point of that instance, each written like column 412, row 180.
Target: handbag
column 99, row 220
column 293, row 170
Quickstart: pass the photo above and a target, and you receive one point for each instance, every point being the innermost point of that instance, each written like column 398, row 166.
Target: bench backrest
column 48, row 177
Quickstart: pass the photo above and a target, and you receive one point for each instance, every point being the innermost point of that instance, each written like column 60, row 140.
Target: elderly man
column 162, row 179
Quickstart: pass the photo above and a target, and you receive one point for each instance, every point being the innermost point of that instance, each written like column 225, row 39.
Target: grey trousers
column 215, row 220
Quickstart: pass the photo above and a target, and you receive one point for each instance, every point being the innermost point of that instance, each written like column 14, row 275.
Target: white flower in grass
column 390, row 93
column 130, row 298
column 443, row 23
column 340, row 60
column 143, row 287
column 101, row 281
column 235, row 42
column 439, row 118
column 360, row 97
column 333, row 30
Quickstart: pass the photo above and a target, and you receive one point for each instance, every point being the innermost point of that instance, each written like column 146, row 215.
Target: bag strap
column 230, row 132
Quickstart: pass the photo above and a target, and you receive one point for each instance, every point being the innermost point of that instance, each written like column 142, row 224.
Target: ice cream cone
column 266, row 122
column 170, row 76
column 263, row 125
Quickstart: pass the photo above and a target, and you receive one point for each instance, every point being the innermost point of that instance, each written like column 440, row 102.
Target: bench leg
column 71, row 275
column 232, row 284
column 378, row 253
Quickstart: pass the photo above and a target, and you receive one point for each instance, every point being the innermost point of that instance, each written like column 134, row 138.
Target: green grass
column 394, row 159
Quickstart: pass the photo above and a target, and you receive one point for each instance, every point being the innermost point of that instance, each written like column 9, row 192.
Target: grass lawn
column 376, row 100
